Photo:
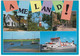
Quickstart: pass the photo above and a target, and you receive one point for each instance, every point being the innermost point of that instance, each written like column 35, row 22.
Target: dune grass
column 15, row 40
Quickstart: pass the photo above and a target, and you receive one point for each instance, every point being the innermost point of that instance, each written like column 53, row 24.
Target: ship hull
column 58, row 48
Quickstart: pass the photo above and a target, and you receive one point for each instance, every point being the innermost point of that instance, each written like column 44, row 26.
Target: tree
column 15, row 13
column 47, row 19
column 4, row 20
column 33, row 26
column 59, row 16
column 17, row 17
column 73, row 20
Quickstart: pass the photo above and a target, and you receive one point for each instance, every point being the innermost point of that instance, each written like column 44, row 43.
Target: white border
column 38, row 55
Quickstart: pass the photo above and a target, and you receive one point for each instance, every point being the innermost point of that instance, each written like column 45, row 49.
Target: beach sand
column 26, row 50
column 62, row 28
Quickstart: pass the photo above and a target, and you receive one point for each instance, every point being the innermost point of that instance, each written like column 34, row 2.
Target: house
column 12, row 21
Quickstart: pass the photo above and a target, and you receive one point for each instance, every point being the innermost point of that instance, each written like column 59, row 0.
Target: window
column 14, row 24
column 8, row 23
column 8, row 17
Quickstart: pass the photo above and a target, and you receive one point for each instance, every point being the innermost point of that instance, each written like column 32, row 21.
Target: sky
column 23, row 5
column 21, row 34
column 64, row 36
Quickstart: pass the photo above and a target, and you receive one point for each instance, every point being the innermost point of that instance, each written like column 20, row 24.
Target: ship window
column 55, row 40
column 44, row 46
column 53, row 43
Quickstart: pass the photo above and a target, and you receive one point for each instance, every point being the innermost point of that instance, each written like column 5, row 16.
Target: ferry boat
column 56, row 44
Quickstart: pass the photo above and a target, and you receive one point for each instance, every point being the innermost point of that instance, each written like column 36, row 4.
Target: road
column 65, row 28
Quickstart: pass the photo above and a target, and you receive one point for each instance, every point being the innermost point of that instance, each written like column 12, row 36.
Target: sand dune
column 26, row 50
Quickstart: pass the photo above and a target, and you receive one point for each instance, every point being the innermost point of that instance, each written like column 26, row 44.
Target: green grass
column 15, row 40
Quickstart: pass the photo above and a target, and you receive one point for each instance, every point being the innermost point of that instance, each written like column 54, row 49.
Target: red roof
column 55, row 38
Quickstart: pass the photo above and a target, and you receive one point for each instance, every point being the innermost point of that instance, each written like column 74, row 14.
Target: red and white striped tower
column 40, row 24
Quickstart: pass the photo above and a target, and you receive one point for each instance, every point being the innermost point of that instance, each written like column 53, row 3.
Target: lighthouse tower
column 40, row 24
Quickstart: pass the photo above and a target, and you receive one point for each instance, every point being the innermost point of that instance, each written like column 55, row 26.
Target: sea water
column 17, row 45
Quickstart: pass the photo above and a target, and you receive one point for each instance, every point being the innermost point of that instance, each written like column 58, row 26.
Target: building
column 12, row 21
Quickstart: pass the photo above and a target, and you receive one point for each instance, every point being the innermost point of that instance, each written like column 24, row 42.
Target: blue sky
column 64, row 36
column 23, row 5
column 21, row 34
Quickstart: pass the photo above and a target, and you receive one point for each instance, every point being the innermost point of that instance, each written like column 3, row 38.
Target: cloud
column 21, row 35
column 71, row 39
column 64, row 39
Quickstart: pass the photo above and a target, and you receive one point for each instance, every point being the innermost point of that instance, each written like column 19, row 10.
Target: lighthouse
column 40, row 24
